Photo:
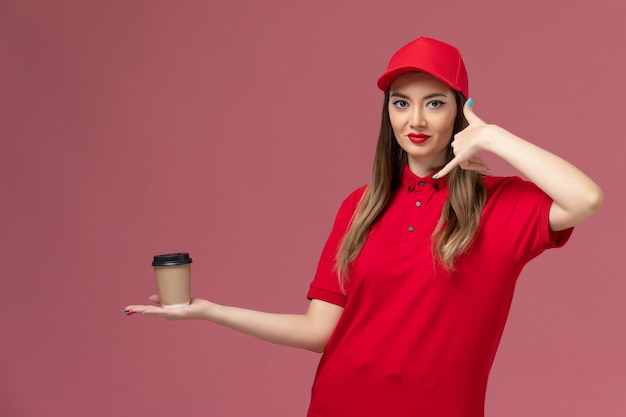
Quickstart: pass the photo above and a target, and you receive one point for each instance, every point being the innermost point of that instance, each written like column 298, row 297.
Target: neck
column 424, row 167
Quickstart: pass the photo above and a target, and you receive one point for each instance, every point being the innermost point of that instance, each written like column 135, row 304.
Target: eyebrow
column 394, row 94
column 427, row 97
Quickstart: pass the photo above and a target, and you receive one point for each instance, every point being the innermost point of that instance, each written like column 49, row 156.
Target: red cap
column 434, row 57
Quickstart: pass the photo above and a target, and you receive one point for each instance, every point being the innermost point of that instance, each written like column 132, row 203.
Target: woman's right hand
column 198, row 309
column 310, row 330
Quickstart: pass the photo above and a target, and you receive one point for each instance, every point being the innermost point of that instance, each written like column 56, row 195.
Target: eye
column 401, row 104
column 435, row 104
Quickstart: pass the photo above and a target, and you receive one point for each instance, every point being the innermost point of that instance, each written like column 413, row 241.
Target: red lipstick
column 418, row 137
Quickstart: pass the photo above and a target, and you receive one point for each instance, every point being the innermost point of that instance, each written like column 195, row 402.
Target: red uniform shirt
column 414, row 340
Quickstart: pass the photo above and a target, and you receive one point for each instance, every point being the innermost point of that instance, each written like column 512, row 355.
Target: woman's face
column 422, row 111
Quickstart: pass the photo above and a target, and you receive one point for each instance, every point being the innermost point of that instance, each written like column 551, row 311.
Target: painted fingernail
column 435, row 176
column 144, row 312
column 470, row 102
column 126, row 311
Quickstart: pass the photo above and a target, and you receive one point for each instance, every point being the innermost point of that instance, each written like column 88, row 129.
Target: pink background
column 233, row 130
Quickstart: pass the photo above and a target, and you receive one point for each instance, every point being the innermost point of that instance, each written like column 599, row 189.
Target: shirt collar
column 412, row 182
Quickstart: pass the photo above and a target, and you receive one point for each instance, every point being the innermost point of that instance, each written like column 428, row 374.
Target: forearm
column 575, row 195
column 296, row 330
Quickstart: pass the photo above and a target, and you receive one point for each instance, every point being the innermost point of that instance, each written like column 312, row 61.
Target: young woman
column 415, row 282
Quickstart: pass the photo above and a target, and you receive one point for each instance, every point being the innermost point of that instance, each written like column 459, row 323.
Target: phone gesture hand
column 467, row 144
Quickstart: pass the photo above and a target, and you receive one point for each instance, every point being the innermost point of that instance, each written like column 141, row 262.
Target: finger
column 477, row 162
column 449, row 167
column 134, row 309
column 137, row 309
column 468, row 166
column 166, row 313
column 474, row 163
column 468, row 112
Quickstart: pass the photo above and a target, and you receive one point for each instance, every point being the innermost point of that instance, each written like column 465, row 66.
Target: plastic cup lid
column 171, row 259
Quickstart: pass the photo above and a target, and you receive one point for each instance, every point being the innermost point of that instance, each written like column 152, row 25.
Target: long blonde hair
column 460, row 217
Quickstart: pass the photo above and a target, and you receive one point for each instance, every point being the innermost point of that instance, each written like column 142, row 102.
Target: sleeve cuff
column 328, row 296
column 550, row 238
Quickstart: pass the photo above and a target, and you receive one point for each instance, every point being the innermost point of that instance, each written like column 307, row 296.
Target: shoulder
column 497, row 185
column 352, row 201
column 497, row 182
column 514, row 191
column 357, row 194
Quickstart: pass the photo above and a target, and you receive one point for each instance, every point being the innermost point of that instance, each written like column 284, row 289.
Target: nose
column 417, row 118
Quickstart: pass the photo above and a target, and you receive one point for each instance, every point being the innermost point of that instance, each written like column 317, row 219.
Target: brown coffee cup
column 173, row 277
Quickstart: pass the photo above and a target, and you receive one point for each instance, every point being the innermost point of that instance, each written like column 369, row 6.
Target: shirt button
column 418, row 203
column 411, row 228
column 421, row 183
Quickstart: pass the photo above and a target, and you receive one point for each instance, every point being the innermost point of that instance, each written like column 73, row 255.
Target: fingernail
column 126, row 311
column 435, row 176
column 144, row 312
column 470, row 102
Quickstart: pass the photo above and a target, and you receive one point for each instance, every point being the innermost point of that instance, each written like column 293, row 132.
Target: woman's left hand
column 575, row 196
column 468, row 143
